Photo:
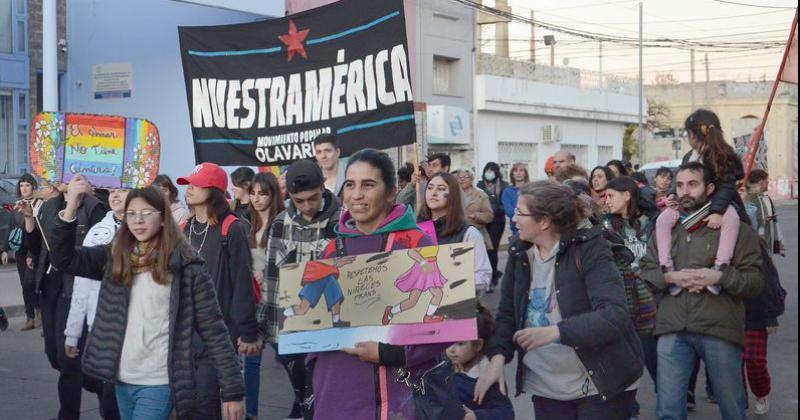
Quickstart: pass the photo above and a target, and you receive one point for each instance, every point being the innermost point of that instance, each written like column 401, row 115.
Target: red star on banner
column 294, row 40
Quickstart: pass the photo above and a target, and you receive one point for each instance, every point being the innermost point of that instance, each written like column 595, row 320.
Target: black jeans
column 299, row 376
column 71, row 382
column 589, row 408
column 495, row 230
column 27, row 279
column 209, row 405
column 649, row 347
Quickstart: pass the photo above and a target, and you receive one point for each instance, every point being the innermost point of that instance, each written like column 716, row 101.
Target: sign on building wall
column 447, row 125
column 259, row 93
column 112, row 81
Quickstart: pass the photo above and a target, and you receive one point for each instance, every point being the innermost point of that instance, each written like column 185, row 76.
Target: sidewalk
column 11, row 291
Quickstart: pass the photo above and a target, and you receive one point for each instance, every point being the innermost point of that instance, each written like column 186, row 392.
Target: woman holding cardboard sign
column 156, row 293
column 359, row 383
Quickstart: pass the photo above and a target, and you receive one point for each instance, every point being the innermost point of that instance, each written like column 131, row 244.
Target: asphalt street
column 28, row 384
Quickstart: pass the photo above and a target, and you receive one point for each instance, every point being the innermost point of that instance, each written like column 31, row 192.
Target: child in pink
column 725, row 167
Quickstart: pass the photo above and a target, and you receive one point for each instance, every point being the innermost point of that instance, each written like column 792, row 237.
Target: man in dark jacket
column 699, row 321
column 55, row 289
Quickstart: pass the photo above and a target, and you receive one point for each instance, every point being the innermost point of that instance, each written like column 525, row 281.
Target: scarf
column 142, row 257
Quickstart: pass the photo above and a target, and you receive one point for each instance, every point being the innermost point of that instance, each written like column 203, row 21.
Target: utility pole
column 552, row 54
column 691, row 55
column 641, row 88
column 533, row 38
column 49, row 56
column 708, row 83
column 601, row 64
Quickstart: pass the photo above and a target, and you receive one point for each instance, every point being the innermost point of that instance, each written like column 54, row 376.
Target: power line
column 658, row 22
column 665, row 42
column 754, row 5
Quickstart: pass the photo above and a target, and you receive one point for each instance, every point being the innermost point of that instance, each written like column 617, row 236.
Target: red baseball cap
column 549, row 166
column 206, row 175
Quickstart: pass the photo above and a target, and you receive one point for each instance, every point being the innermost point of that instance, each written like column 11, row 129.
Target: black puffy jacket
column 595, row 320
column 193, row 308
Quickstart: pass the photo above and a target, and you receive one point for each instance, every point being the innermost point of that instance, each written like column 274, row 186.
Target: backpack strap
column 578, row 264
column 226, row 229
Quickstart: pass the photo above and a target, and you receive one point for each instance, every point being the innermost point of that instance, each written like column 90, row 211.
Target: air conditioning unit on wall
column 551, row 133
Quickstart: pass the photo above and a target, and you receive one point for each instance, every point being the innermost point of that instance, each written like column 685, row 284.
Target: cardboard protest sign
column 411, row 296
column 260, row 92
column 110, row 151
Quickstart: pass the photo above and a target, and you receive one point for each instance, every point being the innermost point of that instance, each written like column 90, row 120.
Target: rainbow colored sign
column 110, row 151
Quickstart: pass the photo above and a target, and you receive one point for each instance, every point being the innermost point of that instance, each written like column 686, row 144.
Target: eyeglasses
column 519, row 213
column 141, row 214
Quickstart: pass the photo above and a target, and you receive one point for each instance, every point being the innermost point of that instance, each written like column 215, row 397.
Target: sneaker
column 432, row 318
column 387, row 315
column 341, row 324
column 762, row 406
column 297, row 412
column 691, row 404
column 489, row 288
column 29, row 325
column 3, row 320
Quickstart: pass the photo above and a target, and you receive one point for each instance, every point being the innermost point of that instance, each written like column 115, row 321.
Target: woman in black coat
column 563, row 310
column 155, row 294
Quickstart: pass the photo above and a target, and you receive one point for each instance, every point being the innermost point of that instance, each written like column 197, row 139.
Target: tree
column 657, row 117
column 665, row 79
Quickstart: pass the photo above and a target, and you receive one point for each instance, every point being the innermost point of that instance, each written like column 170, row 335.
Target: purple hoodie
column 345, row 387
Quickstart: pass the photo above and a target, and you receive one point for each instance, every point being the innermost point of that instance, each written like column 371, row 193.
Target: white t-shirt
column 146, row 347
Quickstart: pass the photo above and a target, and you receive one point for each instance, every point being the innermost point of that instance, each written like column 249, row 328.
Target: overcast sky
column 707, row 21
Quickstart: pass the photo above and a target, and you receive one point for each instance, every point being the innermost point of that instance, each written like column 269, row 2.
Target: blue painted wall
column 144, row 33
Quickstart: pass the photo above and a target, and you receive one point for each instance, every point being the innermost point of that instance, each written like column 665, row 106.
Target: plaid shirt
column 292, row 239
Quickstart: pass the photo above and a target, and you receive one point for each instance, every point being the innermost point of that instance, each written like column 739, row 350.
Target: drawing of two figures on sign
column 321, row 279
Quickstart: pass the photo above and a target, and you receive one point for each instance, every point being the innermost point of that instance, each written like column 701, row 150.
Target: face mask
column 489, row 176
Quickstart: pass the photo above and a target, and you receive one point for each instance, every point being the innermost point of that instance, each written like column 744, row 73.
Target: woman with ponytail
column 563, row 310
column 726, row 210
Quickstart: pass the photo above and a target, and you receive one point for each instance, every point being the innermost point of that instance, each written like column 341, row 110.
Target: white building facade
column 527, row 112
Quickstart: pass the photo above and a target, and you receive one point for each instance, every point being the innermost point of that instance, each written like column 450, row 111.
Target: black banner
column 259, row 93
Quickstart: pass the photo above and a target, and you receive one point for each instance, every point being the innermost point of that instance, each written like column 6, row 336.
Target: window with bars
column 510, row 153
column 604, row 154
column 581, row 153
column 443, row 77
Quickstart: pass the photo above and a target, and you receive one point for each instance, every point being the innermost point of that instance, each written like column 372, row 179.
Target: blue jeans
column 676, row 360
column 252, row 383
column 144, row 402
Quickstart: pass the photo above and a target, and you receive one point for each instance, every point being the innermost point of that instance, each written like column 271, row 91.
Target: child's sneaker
column 762, row 406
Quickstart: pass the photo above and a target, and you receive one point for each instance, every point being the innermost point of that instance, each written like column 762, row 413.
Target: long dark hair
column 716, row 152
column 218, row 206
column 268, row 182
column 627, row 184
column 609, row 176
column 26, row 178
column 165, row 241
column 623, row 170
column 163, row 180
column 454, row 218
